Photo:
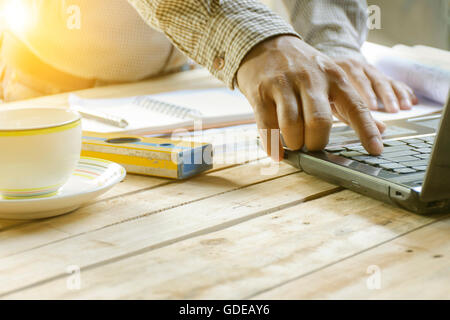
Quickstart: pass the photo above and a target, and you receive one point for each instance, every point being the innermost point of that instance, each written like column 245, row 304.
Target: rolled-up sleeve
column 215, row 33
column 338, row 28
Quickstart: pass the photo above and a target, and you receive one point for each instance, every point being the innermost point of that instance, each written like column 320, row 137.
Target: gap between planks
column 93, row 212
column 238, row 265
column 422, row 253
column 166, row 232
column 116, row 192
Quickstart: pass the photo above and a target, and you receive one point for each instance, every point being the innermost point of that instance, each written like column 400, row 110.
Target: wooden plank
column 131, row 184
column 413, row 266
column 235, row 262
column 159, row 230
column 133, row 206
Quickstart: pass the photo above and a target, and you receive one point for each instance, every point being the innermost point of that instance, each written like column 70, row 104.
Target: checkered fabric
column 215, row 33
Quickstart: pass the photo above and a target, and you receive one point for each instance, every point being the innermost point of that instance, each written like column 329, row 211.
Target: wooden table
column 232, row 233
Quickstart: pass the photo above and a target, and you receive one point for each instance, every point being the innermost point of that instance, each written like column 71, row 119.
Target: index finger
column 360, row 119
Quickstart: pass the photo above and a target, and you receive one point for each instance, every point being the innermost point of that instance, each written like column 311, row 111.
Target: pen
column 101, row 117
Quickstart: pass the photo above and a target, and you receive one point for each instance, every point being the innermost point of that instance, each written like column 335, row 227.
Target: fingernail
column 395, row 105
column 406, row 104
column 375, row 146
column 374, row 104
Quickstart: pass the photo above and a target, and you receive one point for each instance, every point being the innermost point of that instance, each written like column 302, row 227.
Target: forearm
column 335, row 27
column 216, row 34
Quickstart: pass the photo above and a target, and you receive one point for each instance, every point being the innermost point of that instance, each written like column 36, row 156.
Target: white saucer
column 92, row 178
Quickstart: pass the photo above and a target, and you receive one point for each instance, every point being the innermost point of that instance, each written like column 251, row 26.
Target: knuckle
column 255, row 101
column 335, row 72
column 360, row 77
column 347, row 64
column 279, row 80
column 340, row 78
column 320, row 121
column 399, row 86
column 358, row 108
column 379, row 84
column 256, row 95
column 306, row 77
column 291, row 122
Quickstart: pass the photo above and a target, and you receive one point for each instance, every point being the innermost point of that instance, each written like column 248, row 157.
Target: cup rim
column 77, row 118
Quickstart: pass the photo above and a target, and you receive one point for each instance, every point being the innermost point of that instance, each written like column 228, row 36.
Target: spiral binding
column 167, row 108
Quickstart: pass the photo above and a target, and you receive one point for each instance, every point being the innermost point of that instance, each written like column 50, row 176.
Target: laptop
column 413, row 172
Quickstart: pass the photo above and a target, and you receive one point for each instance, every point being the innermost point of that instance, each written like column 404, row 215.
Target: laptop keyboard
column 399, row 156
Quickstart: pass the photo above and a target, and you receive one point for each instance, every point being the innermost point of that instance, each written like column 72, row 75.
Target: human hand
column 295, row 88
column 372, row 85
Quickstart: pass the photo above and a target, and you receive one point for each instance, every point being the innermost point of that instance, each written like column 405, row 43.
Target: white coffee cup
column 39, row 150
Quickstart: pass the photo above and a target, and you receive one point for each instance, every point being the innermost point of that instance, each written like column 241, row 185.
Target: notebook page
column 139, row 119
column 223, row 104
column 428, row 81
column 215, row 105
column 424, row 107
column 425, row 75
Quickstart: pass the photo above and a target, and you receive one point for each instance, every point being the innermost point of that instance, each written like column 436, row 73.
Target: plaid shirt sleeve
column 336, row 27
column 215, row 33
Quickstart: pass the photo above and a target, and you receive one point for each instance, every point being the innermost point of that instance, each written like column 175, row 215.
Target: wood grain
column 158, row 230
column 132, row 206
column 230, row 233
column 244, row 258
column 413, row 266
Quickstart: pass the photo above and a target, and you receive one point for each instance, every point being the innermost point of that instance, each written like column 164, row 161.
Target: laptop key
column 393, row 143
column 391, row 166
column 350, row 154
column 420, row 168
column 401, row 159
column 361, row 158
column 399, row 154
column 404, row 170
column 415, row 163
column 423, row 156
column 376, row 161
column 357, row 148
column 420, row 145
column 424, row 150
column 412, row 141
column 396, row 148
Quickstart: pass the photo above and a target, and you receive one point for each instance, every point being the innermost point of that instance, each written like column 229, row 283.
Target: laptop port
column 398, row 194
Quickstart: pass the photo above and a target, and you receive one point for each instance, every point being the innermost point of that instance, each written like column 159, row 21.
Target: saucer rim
column 107, row 185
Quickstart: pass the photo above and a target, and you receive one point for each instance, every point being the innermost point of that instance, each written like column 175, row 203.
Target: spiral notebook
column 163, row 113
